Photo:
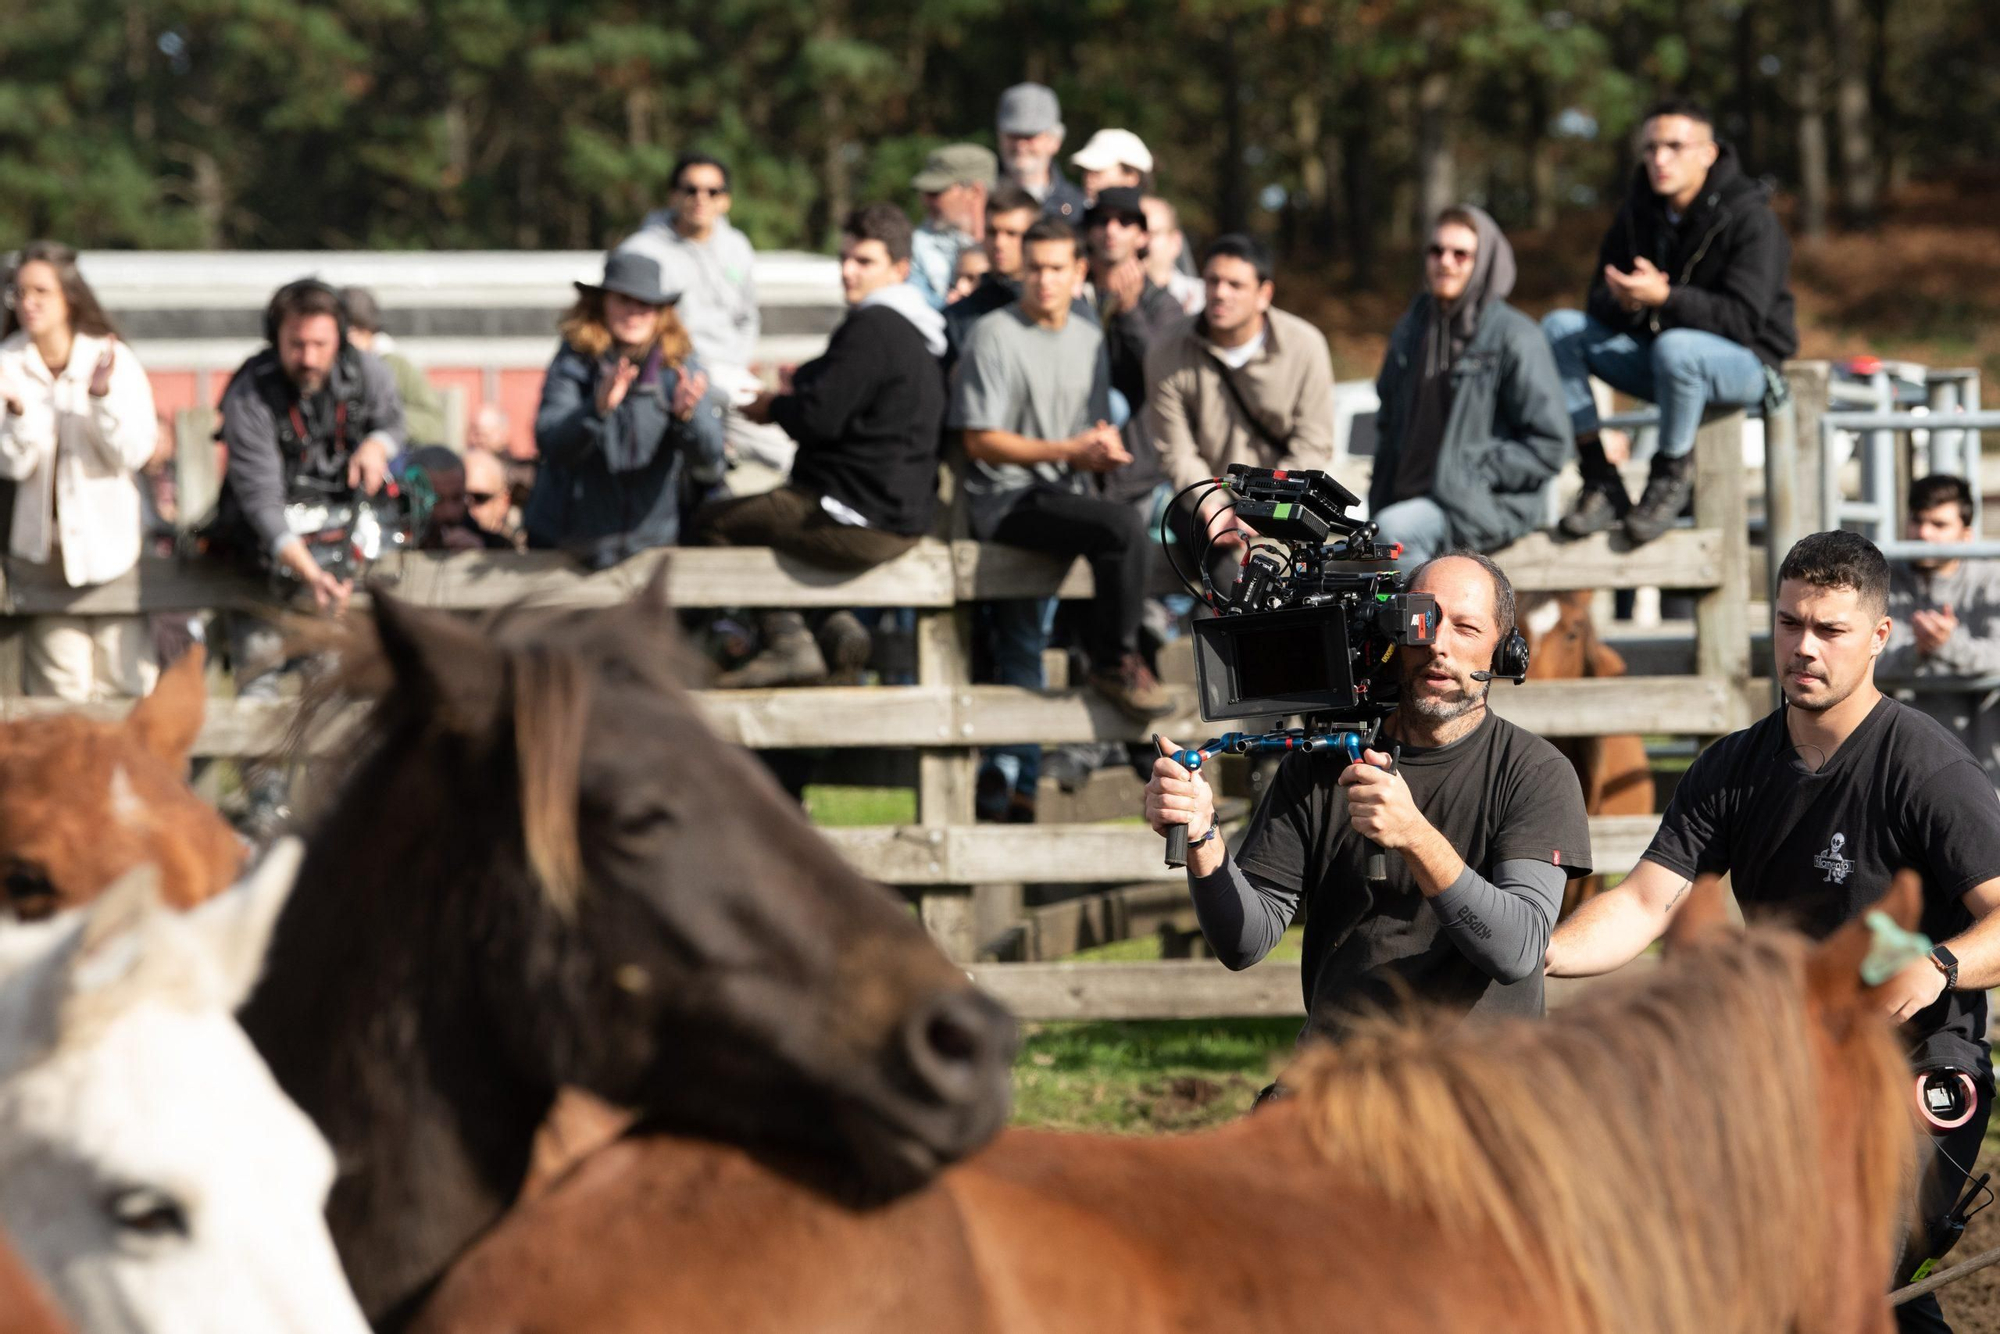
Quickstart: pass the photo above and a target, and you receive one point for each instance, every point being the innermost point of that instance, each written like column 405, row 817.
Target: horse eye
column 29, row 893
column 145, row 1212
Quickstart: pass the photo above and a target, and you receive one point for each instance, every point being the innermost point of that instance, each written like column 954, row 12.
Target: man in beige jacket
column 1239, row 383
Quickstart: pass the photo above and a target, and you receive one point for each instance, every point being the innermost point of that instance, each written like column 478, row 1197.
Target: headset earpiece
column 286, row 294
column 1510, row 660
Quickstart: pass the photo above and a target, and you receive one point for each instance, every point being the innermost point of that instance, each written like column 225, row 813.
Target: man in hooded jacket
column 1690, row 306
column 1472, row 426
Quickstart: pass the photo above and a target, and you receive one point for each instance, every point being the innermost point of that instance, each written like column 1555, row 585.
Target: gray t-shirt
column 1046, row 384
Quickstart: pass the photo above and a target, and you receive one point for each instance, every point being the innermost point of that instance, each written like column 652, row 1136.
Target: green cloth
column 423, row 405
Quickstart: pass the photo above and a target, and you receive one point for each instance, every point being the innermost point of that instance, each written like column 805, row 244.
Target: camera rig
column 1308, row 628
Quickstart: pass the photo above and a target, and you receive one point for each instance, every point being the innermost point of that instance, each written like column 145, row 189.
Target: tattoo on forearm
column 1674, row 902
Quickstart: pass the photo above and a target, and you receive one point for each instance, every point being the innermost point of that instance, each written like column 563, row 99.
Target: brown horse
column 1617, row 778
column 83, row 801
column 1719, row 1146
column 544, row 871
column 24, row 1307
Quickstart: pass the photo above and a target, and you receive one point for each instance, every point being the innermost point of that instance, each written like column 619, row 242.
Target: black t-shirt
column 1498, row 794
column 1820, row 847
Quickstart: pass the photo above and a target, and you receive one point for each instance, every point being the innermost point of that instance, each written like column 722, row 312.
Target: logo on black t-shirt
column 1835, row 865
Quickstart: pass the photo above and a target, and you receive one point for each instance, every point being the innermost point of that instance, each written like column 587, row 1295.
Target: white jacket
column 74, row 456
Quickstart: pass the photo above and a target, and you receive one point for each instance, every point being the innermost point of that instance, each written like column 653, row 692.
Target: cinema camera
column 1304, row 630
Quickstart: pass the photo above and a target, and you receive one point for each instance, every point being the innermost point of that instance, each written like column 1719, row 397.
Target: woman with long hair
column 627, row 428
column 76, row 426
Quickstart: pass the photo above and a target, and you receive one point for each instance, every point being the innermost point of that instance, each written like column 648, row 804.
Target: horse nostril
column 955, row 1041
column 951, row 1040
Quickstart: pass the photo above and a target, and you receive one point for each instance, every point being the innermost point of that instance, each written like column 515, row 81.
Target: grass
column 843, row 807
column 1146, row 1077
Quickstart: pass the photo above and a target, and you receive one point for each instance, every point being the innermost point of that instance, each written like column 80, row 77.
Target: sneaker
column 1133, row 688
column 1599, row 507
column 789, row 658
column 1669, row 487
column 846, row 645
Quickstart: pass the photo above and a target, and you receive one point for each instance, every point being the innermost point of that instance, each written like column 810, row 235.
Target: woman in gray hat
column 628, row 432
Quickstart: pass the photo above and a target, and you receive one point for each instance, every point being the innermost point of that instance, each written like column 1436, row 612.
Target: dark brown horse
column 545, row 871
column 1717, row 1147
column 83, row 801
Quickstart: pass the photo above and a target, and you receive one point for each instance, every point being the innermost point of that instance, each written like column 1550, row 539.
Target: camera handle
column 1348, row 741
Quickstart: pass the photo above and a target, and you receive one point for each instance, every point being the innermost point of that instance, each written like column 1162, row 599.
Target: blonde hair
column 584, row 328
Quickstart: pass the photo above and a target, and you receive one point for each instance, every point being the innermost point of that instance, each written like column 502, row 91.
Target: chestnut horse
column 24, row 1307
column 1717, row 1146
column 1617, row 778
column 83, row 801
column 545, row 871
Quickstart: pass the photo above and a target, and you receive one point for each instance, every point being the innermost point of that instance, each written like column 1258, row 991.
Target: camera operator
column 1482, row 823
column 310, row 407
column 1811, row 811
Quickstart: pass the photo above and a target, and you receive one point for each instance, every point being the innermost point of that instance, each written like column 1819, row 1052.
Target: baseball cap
column 1028, row 108
column 1113, row 148
column 956, row 164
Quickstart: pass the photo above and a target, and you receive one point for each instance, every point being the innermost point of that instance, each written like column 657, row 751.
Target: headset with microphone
column 1510, row 660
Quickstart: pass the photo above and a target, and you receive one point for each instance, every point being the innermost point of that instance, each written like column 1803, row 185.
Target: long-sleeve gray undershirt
column 1501, row 925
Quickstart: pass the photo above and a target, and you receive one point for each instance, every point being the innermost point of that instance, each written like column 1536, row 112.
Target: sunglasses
column 482, row 497
column 705, row 191
column 1440, row 251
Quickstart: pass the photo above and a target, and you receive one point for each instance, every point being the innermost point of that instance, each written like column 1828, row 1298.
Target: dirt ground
column 1972, row 1305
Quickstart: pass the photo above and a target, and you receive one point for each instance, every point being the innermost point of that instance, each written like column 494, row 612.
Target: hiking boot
column 846, row 645
column 1669, row 487
column 790, row 657
column 1602, row 504
column 1133, row 688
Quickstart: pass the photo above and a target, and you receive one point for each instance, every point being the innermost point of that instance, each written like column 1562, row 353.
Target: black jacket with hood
column 1727, row 260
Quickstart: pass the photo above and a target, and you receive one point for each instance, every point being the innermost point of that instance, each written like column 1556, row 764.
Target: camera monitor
column 1280, row 662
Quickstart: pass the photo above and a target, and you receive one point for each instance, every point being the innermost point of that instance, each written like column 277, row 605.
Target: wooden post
column 945, row 778
column 1721, row 615
column 13, row 650
column 197, row 481
column 1810, row 383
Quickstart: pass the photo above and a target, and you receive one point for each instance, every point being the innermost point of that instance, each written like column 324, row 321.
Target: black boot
column 1669, row 487
column 790, row 657
column 1602, row 503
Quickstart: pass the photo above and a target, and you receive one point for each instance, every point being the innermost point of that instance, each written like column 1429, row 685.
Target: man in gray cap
column 1031, row 134
column 954, row 183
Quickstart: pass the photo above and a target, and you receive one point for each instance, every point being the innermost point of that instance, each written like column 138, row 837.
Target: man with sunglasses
column 709, row 263
column 1690, row 306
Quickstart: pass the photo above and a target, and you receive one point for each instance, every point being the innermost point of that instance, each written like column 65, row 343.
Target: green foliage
column 536, row 123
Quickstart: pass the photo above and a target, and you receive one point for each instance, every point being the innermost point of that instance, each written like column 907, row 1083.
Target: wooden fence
column 945, row 859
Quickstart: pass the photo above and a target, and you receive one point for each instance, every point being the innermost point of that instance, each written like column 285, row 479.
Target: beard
column 1831, row 698
column 1441, row 708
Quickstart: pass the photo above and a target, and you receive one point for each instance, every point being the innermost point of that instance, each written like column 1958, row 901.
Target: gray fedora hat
column 631, row 274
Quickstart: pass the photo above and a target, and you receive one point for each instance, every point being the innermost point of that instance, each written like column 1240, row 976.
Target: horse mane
column 1650, row 1154
column 548, row 671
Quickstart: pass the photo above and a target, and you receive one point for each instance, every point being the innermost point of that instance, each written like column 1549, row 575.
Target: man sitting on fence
column 1032, row 399
column 954, row 183
column 1945, row 621
column 1481, row 824
column 1690, row 306
column 866, row 416
column 1241, row 383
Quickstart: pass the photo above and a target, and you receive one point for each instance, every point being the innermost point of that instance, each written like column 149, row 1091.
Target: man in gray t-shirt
column 1031, row 400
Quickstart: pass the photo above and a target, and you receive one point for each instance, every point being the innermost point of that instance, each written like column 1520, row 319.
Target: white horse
column 152, row 1173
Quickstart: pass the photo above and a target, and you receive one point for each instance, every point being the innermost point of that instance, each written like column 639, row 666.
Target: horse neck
column 370, row 1016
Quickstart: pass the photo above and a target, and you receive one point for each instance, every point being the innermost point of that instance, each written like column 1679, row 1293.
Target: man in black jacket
column 1690, row 306
column 866, row 417
column 1135, row 312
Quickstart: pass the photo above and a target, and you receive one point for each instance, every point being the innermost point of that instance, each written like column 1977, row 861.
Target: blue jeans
column 1682, row 370
column 1019, row 630
column 1419, row 525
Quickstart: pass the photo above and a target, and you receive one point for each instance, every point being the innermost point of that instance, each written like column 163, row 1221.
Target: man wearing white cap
column 1113, row 158
column 1031, row 134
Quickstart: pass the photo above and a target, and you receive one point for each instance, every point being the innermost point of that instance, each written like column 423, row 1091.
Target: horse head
column 151, row 1172
column 84, row 801
column 1563, row 644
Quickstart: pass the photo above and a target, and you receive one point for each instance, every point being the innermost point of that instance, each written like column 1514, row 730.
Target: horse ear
column 236, row 926
column 1868, row 950
column 450, row 665
column 109, row 948
column 654, row 596
column 167, row 721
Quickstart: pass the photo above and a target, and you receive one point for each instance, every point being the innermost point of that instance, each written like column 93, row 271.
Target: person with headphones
column 310, row 407
column 1812, row 811
column 1482, row 823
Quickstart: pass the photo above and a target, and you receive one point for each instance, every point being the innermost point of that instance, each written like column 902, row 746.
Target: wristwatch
column 1947, row 963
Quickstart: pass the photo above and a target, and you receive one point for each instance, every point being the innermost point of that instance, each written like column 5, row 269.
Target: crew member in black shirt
column 1811, row 811
column 1482, row 821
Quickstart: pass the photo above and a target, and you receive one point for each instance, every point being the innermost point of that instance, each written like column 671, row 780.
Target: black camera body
column 1302, row 631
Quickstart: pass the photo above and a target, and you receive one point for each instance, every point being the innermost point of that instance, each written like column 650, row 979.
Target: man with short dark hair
column 1243, row 382
column 1032, row 401
column 1690, row 306
column 1481, row 821
column 1010, row 212
column 1031, row 134
column 710, row 263
column 1136, row 314
column 1811, row 812
column 955, row 183
column 1945, row 615
column 866, row 416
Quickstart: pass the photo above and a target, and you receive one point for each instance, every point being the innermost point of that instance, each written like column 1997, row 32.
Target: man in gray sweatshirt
column 1482, row 823
column 1945, row 623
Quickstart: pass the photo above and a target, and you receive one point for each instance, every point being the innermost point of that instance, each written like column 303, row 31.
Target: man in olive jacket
column 1472, row 426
